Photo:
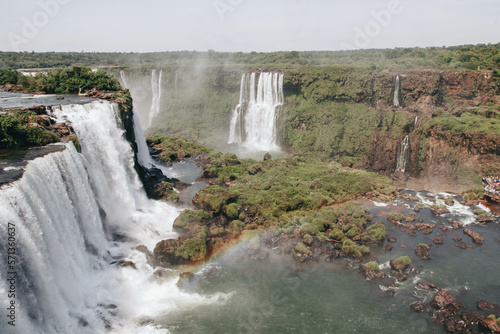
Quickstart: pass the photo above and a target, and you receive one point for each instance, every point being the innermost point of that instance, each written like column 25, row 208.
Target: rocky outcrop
column 487, row 306
column 478, row 238
column 422, row 252
column 489, row 326
column 443, row 300
column 186, row 249
column 370, row 273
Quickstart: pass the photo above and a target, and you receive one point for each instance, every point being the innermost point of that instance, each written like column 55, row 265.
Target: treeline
column 470, row 57
column 62, row 80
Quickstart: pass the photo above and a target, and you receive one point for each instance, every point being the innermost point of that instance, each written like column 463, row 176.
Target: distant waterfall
column 402, row 155
column 65, row 209
column 124, row 79
column 156, row 95
column 254, row 120
column 397, row 87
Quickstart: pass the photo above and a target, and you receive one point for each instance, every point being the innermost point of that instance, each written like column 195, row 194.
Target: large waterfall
column 71, row 216
column 402, row 155
column 255, row 119
column 156, row 95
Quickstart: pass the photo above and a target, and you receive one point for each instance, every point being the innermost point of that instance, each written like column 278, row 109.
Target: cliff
column 350, row 115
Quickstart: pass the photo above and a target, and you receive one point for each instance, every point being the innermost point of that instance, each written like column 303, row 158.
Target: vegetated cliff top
column 468, row 57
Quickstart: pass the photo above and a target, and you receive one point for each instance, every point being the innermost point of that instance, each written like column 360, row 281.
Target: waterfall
column 142, row 148
column 397, row 87
column 65, row 211
column 402, row 155
column 123, row 79
column 156, row 95
column 254, row 120
column 416, row 120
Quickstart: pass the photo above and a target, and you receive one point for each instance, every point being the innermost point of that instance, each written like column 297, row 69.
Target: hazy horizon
column 241, row 25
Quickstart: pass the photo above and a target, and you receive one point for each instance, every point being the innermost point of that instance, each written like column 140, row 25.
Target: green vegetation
column 24, row 128
column 62, row 80
column 293, row 196
column 188, row 217
column 175, row 149
column 9, row 76
column 394, row 216
column 284, row 185
column 426, row 246
column 473, row 194
column 374, row 234
column 195, row 248
column 419, row 206
column 468, row 123
column 373, row 266
column 300, row 247
column 75, row 141
column 404, row 260
column 445, row 58
column 327, row 112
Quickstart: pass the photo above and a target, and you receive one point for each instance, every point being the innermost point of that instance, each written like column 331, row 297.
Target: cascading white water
column 254, row 120
column 65, row 210
column 123, row 79
column 156, row 95
column 402, row 154
column 142, row 148
column 396, row 92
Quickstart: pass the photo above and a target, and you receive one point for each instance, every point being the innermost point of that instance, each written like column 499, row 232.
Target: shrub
column 364, row 250
column 350, row 248
column 394, row 216
column 18, row 129
column 411, row 217
column 404, row 260
column 373, row 266
column 426, row 246
column 418, row 206
column 188, row 217
column 337, row 235
column 308, row 239
column 320, row 224
column 374, row 234
column 300, row 247
column 472, row 194
column 237, row 226
column 352, row 232
column 69, row 80
column 231, row 211
column 9, row 76
column 308, row 228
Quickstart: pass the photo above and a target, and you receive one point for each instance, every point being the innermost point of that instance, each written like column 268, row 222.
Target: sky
column 243, row 25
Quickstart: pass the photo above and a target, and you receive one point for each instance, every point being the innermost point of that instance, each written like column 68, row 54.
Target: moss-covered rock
column 187, row 249
column 374, row 234
column 212, row 199
column 350, row 248
column 231, row 211
column 188, row 217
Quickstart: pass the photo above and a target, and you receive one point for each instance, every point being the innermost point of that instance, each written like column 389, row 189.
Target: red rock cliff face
column 436, row 156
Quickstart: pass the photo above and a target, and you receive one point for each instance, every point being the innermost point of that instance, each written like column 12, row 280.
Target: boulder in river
column 478, row 238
